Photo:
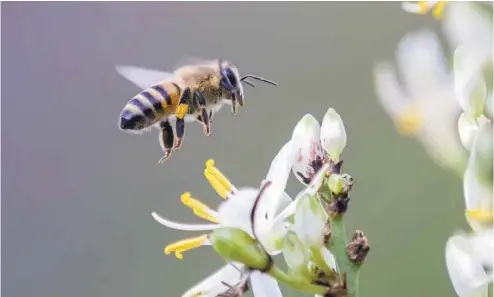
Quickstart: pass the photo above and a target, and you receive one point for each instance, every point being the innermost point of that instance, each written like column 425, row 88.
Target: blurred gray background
column 78, row 193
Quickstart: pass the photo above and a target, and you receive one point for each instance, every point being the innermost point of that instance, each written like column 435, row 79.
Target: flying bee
column 191, row 93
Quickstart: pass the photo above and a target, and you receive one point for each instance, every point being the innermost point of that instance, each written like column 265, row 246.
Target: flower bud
column 236, row 245
column 333, row 134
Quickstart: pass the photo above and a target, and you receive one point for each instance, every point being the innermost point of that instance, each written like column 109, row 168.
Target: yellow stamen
column 423, row 7
column 437, row 12
column 217, row 180
column 199, row 209
column 410, row 121
column 480, row 215
column 185, row 245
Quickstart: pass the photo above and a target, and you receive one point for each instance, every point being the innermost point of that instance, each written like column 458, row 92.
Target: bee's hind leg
column 204, row 117
column 180, row 113
column 166, row 140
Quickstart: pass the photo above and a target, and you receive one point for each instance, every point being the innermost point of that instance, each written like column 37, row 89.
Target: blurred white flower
column 477, row 181
column 315, row 141
column 469, row 260
column 466, row 24
column 470, row 87
column 423, row 7
column 424, row 104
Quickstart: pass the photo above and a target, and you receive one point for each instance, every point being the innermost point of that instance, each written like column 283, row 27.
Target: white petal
column 278, row 174
column 465, row 24
column 421, row 62
column 263, row 285
column 212, row 285
column 389, row 91
column 285, row 201
column 306, row 138
column 235, row 212
column 477, row 181
column 329, row 257
column 415, row 7
column 333, row 133
column 467, row 128
column 465, row 269
column 310, row 189
column 470, row 87
column 310, row 221
column 182, row 226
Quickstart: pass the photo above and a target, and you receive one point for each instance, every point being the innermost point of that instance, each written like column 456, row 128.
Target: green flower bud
column 336, row 183
column 236, row 245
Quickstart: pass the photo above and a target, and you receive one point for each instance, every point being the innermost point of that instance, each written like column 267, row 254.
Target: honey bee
column 191, row 93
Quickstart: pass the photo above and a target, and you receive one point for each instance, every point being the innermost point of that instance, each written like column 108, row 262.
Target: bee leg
column 234, row 107
column 180, row 113
column 204, row 117
column 166, row 140
column 211, row 114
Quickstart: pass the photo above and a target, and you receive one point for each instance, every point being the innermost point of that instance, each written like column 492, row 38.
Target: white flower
column 231, row 277
column 469, row 260
column 235, row 212
column 423, row 7
column 214, row 284
column 315, row 142
column 425, row 105
column 477, row 181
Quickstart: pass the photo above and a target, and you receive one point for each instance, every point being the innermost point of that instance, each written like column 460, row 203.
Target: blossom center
column 185, row 245
column 218, row 181
column 486, row 216
column 200, row 209
column 409, row 121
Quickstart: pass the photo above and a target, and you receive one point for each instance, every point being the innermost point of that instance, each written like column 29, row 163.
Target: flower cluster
column 423, row 100
column 252, row 225
column 451, row 112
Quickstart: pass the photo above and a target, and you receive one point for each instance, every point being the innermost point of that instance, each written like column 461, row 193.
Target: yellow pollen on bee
column 185, row 245
column 182, row 110
column 480, row 215
column 409, row 121
column 218, row 181
column 201, row 210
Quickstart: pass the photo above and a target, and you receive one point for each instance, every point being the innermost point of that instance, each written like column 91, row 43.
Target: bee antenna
column 249, row 83
column 257, row 78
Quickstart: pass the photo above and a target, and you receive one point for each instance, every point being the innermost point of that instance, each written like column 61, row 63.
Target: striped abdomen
column 150, row 106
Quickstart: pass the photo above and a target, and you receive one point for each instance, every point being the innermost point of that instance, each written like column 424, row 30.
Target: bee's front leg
column 166, row 140
column 180, row 113
column 204, row 117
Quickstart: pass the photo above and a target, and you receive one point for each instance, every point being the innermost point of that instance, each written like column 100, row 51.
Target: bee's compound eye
column 231, row 76
column 131, row 121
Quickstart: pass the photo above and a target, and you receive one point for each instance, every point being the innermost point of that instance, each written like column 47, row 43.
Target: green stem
column 281, row 276
column 338, row 248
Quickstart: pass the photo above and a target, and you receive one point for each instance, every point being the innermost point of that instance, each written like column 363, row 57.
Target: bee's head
column 230, row 80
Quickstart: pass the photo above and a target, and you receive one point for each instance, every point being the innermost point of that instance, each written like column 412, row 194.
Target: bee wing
column 142, row 77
